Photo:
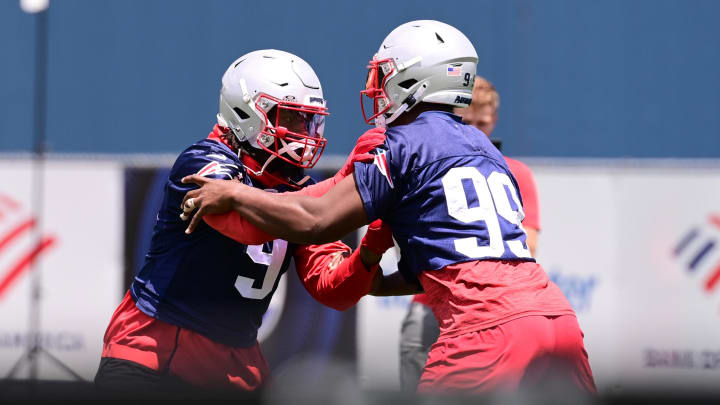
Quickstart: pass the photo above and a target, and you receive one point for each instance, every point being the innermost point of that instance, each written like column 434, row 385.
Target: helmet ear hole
column 242, row 114
column 406, row 84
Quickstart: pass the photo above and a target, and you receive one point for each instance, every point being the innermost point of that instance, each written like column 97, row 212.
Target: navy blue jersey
column 446, row 193
column 205, row 281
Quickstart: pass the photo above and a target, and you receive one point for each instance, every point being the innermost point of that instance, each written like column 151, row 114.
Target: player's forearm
column 303, row 219
column 295, row 218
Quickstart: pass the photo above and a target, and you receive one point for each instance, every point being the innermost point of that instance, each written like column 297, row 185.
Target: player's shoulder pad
column 401, row 137
column 211, row 159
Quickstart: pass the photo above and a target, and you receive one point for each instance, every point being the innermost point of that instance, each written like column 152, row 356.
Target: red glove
column 371, row 139
column 378, row 238
column 336, row 281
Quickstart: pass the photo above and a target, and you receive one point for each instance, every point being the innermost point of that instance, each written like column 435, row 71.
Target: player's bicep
column 377, row 185
column 340, row 211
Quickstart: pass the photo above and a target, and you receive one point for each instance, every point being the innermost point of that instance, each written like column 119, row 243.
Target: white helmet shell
column 426, row 61
column 258, row 81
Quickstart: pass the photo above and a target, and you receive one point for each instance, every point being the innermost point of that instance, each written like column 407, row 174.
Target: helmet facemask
column 273, row 103
column 379, row 72
column 406, row 94
column 293, row 132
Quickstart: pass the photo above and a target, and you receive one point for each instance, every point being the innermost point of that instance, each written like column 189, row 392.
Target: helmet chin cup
column 380, row 121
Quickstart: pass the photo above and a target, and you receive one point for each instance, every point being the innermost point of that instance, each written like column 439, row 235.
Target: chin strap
column 221, row 121
column 380, row 121
column 407, row 103
column 290, row 148
column 269, row 177
column 262, row 169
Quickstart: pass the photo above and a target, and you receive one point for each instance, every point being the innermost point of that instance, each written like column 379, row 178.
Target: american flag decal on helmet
column 381, row 162
column 223, row 169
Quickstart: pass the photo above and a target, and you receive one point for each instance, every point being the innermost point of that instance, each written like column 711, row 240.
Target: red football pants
column 526, row 352
column 199, row 361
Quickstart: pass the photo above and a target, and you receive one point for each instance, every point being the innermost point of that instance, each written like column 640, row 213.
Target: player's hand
column 213, row 197
column 368, row 141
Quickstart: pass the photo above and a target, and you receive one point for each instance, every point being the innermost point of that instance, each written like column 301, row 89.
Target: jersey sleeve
column 204, row 160
column 332, row 275
column 528, row 191
column 207, row 162
column 212, row 165
column 377, row 183
column 236, row 227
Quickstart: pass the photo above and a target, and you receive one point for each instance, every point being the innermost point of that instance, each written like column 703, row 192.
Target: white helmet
column 272, row 100
column 419, row 61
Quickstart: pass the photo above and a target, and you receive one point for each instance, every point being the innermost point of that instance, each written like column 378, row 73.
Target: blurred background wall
column 576, row 78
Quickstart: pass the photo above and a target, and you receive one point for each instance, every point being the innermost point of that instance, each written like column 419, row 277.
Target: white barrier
column 612, row 239
column 635, row 248
column 76, row 245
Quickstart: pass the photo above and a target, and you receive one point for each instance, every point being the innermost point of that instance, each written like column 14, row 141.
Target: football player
column 454, row 209
column 192, row 313
column 420, row 329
